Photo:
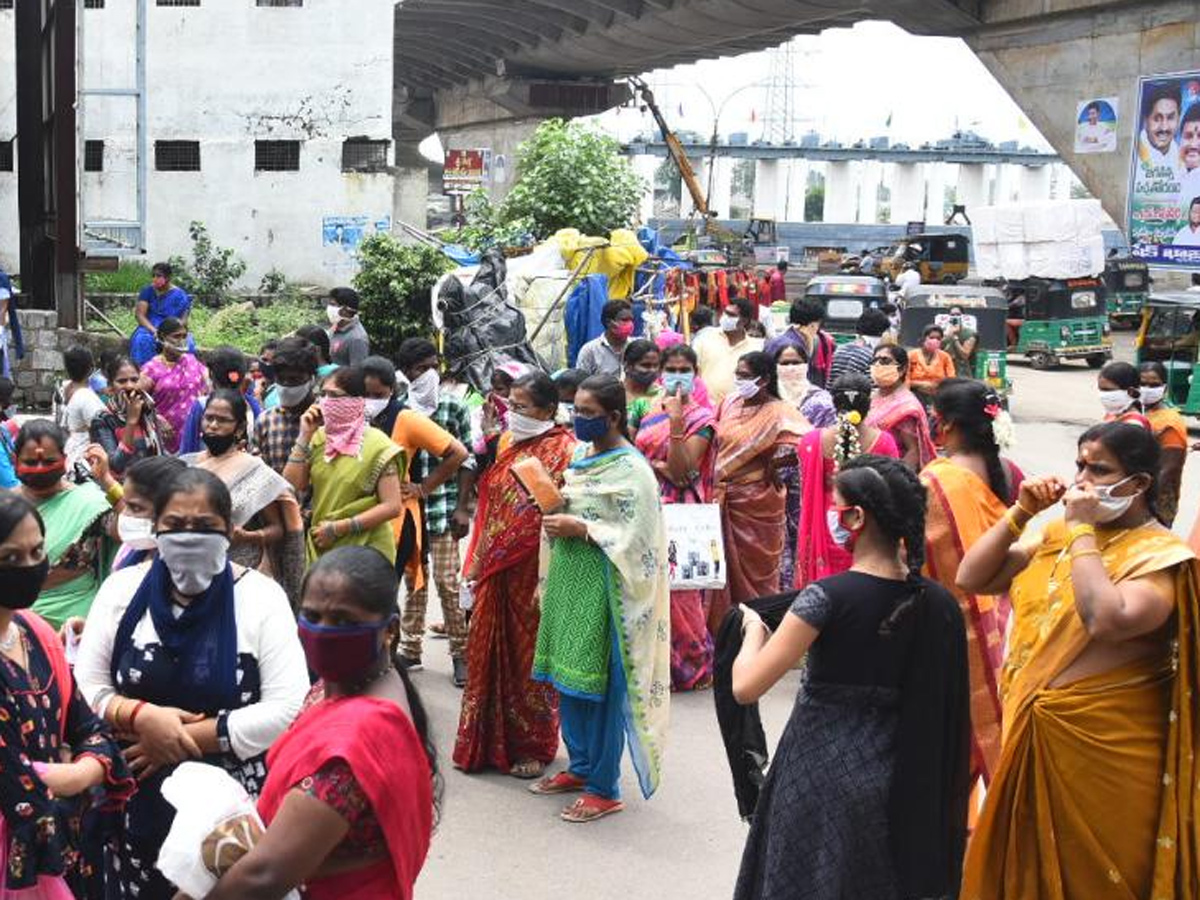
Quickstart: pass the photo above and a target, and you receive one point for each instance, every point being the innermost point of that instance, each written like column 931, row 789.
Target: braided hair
column 852, row 400
column 890, row 492
column 971, row 407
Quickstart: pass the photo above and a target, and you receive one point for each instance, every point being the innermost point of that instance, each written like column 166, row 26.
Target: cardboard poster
column 695, row 550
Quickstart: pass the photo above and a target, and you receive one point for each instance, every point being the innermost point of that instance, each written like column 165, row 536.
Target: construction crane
column 699, row 199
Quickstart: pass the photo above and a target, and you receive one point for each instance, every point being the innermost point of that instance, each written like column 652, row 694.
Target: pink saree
column 901, row 413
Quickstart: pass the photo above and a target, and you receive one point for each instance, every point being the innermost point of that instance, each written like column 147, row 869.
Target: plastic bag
column 216, row 824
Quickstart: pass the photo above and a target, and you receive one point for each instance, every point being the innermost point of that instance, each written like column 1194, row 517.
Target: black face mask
column 642, row 377
column 20, row 585
column 219, row 444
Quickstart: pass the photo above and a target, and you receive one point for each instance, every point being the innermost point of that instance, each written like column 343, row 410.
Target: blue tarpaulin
column 582, row 316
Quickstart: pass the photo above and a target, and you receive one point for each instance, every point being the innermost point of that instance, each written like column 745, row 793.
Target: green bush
column 212, row 271
column 393, row 284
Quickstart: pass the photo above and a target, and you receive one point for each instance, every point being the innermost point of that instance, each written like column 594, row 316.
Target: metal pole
column 142, row 148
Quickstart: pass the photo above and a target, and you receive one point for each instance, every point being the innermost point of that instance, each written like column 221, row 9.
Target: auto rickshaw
column 1170, row 334
column 1128, row 283
column 1051, row 320
column 845, row 298
column 983, row 310
column 940, row 258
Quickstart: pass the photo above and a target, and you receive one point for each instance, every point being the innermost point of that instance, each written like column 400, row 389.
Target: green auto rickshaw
column 1051, row 320
column 982, row 310
column 1170, row 334
column 845, row 298
column 1128, row 284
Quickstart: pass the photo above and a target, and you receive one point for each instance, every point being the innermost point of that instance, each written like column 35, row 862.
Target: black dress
column 825, row 822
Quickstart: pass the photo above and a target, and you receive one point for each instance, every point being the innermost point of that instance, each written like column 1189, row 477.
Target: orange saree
column 1095, row 794
column 961, row 510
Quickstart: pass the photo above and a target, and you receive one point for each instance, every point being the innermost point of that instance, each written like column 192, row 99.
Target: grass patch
column 129, row 278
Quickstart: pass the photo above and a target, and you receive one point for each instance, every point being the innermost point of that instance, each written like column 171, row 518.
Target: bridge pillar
column 796, row 190
column 908, row 193
column 1007, row 183
column 1035, row 183
column 722, row 187
column 935, row 193
column 769, row 187
column 972, row 186
column 841, row 192
column 1060, row 184
column 645, row 166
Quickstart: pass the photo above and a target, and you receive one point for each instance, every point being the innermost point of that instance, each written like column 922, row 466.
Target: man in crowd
column 604, row 355
column 960, row 343
column 909, row 281
column 719, row 350
column 348, row 341
column 276, row 430
column 805, row 334
column 855, row 357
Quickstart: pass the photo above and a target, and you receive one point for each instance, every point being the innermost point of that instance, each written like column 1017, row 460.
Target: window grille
column 177, row 156
column 7, row 149
column 93, row 156
column 178, row 2
column 362, row 155
column 276, row 156
column 280, row 3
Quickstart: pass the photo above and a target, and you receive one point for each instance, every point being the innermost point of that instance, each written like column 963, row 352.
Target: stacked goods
column 1054, row 239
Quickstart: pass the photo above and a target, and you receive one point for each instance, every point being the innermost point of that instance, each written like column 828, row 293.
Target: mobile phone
column 81, row 473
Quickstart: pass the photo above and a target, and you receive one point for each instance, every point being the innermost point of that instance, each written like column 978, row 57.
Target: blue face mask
column 591, row 429
column 678, row 383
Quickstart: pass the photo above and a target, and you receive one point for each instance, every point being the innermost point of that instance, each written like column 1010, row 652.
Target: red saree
column 376, row 738
column 506, row 716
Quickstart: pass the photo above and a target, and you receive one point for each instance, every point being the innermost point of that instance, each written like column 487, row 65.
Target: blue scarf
column 202, row 643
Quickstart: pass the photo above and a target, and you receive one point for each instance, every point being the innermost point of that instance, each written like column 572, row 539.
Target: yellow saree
column 1095, row 793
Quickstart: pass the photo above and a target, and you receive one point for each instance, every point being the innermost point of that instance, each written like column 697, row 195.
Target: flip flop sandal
column 562, row 783
column 589, row 807
column 527, row 768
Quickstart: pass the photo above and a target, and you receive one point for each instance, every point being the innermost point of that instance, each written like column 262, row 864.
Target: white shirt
column 266, row 630
column 1186, row 237
column 1095, row 138
column 907, row 282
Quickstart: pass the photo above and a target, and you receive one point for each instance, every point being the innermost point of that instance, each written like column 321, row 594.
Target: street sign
column 466, row 171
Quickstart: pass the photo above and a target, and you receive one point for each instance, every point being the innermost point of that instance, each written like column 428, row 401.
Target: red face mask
column 41, row 475
column 623, row 330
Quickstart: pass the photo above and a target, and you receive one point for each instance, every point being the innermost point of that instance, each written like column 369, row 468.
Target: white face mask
column 423, row 393
column 135, row 533
column 525, row 427
column 293, row 395
column 334, row 314
column 374, row 406
column 1115, row 402
column 1112, row 508
column 194, row 558
column 1153, row 395
column 746, row 388
column 730, row 323
column 793, row 382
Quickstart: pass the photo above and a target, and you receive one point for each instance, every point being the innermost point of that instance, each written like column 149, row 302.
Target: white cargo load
column 1048, row 239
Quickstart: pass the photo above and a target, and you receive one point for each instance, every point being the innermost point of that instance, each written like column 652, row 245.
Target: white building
column 268, row 120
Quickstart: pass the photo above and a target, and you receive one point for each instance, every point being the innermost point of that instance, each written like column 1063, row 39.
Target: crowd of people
column 230, row 560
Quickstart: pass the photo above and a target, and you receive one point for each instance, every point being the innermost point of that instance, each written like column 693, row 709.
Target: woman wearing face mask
column 160, row 300
column 76, row 517
column 1102, row 644
column 493, row 415
column 189, row 657
column 508, row 721
column 872, row 767
column 677, row 438
column 816, row 406
column 174, row 379
column 642, row 366
column 1121, row 394
column 353, row 787
column 896, row 410
column 823, row 452
column 353, row 470
column 144, row 481
column 228, row 370
column 128, row 428
column 268, row 532
column 603, row 640
column 44, row 721
column 1171, row 430
column 970, row 487
column 929, row 365
column 756, row 437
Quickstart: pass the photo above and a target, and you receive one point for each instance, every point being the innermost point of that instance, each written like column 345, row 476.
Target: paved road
column 497, row 842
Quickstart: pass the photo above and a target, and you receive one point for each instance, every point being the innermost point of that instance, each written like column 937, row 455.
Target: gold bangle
column 1092, row 551
column 1028, row 514
column 1011, row 521
column 114, row 494
column 1078, row 531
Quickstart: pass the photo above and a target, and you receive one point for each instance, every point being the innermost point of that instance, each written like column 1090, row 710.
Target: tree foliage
column 393, row 284
column 212, row 271
column 569, row 175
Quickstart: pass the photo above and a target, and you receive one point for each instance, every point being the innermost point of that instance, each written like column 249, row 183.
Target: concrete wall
column 42, row 366
column 228, row 74
column 9, row 252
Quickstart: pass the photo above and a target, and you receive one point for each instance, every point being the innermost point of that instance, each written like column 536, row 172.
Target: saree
column 753, row 507
column 961, row 509
column 817, row 556
column 173, row 303
column 253, row 486
column 691, row 643
column 345, row 486
column 175, row 389
column 69, row 516
column 616, row 494
column 506, row 716
column 1095, row 793
column 376, row 739
column 901, row 413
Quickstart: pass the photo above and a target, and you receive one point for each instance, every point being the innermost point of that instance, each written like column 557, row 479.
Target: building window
column 280, row 3
column 177, row 156
column 93, row 156
column 362, row 155
column 93, row 4
column 277, row 156
column 6, row 154
column 6, row 4
column 178, row 2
